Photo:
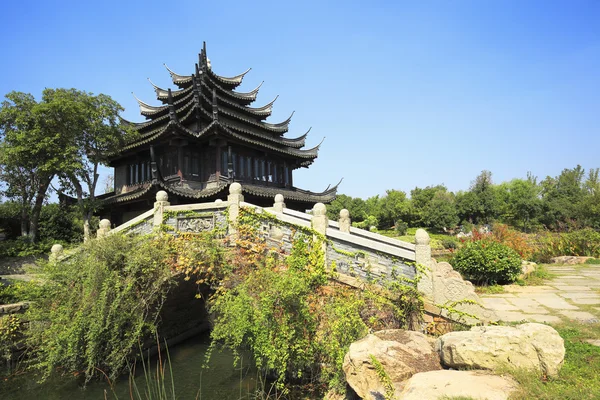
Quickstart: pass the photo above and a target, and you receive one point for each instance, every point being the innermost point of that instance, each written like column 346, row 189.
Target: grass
column 491, row 289
column 537, row 277
column 578, row 378
column 593, row 261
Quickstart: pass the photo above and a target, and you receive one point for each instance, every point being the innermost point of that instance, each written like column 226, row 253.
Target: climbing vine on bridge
column 285, row 308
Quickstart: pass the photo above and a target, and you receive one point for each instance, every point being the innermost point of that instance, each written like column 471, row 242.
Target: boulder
column 401, row 354
column 569, row 260
column 530, row 346
column 435, row 385
column 527, row 267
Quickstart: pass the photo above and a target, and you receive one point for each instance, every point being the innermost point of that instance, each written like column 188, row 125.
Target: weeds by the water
column 158, row 385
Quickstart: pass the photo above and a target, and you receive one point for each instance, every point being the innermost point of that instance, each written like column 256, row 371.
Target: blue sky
column 406, row 93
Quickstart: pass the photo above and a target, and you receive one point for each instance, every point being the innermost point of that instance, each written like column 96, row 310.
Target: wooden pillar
column 218, row 161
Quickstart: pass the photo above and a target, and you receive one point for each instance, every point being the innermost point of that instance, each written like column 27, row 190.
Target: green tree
column 94, row 132
column 356, row 206
column 480, row 205
column 31, row 153
column 393, row 207
column 562, row 198
column 441, row 211
column 422, row 212
column 521, row 202
column 590, row 203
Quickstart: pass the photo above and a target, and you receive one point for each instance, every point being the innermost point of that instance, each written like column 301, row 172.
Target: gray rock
column 531, row 346
column 401, row 353
column 480, row 385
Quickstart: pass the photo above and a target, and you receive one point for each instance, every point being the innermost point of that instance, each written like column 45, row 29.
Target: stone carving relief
column 195, row 225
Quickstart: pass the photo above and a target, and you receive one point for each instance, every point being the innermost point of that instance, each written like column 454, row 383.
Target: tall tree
column 95, row 132
column 393, row 207
column 521, row 202
column 562, row 197
column 31, row 153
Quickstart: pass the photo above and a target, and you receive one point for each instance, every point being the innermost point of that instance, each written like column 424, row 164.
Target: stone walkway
column 573, row 294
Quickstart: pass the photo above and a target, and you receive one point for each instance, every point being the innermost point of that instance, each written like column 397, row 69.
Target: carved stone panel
column 196, row 224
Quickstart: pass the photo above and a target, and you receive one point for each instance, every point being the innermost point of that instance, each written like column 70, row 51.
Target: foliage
column 593, row 261
column 515, row 240
column 30, row 155
column 23, row 247
column 10, row 332
column 401, row 228
column 487, row 261
column 285, row 311
column 490, row 289
column 583, row 242
column 393, row 206
column 450, row 243
column 66, row 134
column 94, row 132
column 100, row 303
column 521, row 203
column 536, row 277
column 60, row 223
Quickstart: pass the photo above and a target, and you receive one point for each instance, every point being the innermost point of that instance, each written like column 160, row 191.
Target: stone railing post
column 279, row 205
column 319, row 223
column 344, row 221
column 423, row 259
column 234, row 198
column 319, row 220
column 162, row 201
column 104, row 229
column 56, row 252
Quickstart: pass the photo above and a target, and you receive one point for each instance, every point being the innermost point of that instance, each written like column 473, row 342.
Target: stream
column 221, row 380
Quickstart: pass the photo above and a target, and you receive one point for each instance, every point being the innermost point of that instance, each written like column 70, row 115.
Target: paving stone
column 528, row 289
column 498, row 295
column 528, row 306
column 574, row 294
column 551, row 300
column 583, row 316
column 595, row 342
column 583, row 300
column 572, row 288
column 513, row 316
column 498, row 304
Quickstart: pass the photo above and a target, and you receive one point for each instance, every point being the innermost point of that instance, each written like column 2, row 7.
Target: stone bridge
column 359, row 256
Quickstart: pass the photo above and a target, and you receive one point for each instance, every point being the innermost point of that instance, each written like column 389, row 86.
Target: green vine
column 450, row 307
column 384, row 378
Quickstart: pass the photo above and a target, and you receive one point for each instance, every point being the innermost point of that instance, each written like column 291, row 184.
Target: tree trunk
column 37, row 208
column 24, row 221
column 86, row 226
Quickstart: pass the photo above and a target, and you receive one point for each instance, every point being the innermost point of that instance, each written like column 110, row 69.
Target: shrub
column 401, row 228
column 104, row 300
column 584, row 242
column 450, row 243
column 487, row 262
column 516, row 240
column 22, row 247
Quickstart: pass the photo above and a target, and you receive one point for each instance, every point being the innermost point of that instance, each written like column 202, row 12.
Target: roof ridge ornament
column 172, row 113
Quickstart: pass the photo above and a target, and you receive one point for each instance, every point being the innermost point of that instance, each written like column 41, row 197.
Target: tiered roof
column 204, row 105
column 210, row 103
